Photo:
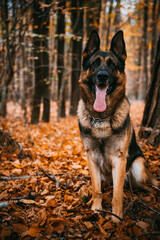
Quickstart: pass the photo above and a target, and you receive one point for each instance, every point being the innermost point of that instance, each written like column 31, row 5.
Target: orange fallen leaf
column 68, row 198
column 19, row 228
column 27, row 201
column 4, row 194
column 34, row 232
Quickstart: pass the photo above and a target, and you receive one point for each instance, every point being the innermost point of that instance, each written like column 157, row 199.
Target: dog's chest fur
column 105, row 141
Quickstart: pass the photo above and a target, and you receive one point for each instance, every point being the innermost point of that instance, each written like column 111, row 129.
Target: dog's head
column 103, row 75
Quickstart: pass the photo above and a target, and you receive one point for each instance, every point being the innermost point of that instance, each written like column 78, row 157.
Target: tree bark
column 155, row 16
column 77, row 26
column 93, row 15
column 151, row 116
column 109, row 23
column 41, row 55
column 60, row 58
column 139, row 64
column 145, row 55
column 117, row 19
column 9, row 58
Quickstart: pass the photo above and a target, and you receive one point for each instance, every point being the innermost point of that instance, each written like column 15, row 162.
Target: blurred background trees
column 42, row 42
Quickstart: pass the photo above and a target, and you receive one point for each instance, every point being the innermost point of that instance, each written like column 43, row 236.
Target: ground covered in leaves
column 45, row 189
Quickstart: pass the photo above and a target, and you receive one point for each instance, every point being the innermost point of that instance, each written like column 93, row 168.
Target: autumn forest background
column 45, row 189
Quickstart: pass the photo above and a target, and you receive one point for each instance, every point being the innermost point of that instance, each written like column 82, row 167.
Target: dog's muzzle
column 102, row 78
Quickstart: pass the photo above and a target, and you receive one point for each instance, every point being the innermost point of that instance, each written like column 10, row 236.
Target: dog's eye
column 111, row 64
column 96, row 63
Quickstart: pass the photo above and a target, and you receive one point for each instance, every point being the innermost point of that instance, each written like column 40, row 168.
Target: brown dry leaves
column 56, row 205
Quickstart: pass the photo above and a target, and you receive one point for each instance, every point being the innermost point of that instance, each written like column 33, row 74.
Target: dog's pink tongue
column 100, row 101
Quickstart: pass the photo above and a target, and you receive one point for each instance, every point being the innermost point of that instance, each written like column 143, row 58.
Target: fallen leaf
column 34, row 232
column 19, row 228
column 89, row 225
column 4, row 195
column 27, row 201
column 108, row 226
column 17, row 171
column 42, row 217
column 142, row 224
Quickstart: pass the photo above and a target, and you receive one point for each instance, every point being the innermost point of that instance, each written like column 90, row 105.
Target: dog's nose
column 102, row 75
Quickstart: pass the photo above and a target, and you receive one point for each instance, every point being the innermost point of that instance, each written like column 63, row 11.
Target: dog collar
column 95, row 120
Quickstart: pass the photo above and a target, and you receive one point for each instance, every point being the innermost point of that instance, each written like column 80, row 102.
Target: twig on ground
column 3, row 178
column 149, row 233
column 155, row 187
column 129, row 205
column 29, row 196
column 20, row 150
column 144, row 204
column 138, row 199
column 6, row 203
column 16, row 178
column 53, row 178
column 108, row 212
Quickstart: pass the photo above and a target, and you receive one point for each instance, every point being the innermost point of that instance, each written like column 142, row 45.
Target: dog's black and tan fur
column 106, row 129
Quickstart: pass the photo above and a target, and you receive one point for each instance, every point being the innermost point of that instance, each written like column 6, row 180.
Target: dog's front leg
column 96, row 184
column 94, row 158
column 118, row 173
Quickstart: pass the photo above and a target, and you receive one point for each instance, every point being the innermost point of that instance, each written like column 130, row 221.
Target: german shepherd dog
column 106, row 129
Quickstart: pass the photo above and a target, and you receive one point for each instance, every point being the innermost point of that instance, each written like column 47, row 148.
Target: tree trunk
column 60, row 58
column 41, row 55
column 155, row 16
column 93, row 15
column 109, row 23
column 117, row 19
column 77, row 26
column 139, row 63
column 151, row 116
column 8, row 72
column 145, row 55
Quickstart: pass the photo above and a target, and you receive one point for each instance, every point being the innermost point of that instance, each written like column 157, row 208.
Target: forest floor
column 45, row 189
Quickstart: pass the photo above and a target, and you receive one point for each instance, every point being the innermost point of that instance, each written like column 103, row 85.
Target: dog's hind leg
column 140, row 177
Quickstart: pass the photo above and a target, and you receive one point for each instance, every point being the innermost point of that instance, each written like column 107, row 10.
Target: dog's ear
column 92, row 46
column 118, row 46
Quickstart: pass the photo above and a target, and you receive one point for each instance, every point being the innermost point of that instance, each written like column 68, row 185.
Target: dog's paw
column 117, row 209
column 115, row 219
column 96, row 205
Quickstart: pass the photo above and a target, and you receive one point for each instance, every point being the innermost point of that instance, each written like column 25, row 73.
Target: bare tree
column 155, row 16
column 145, row 44
column 151, row 116
column 77, row 28
column 109, row 23
column 117, row 16
column 60, row 58
column 41, row 55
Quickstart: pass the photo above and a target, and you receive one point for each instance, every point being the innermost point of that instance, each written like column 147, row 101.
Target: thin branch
column 54, row 178
column 15, row 178
column 17, row 199
column 129, row 205
column 108, row 212
column 6, row 203
column 139, row 200
column 155, row 187
column 149, row 233
column 144, row 204
column 3, row 178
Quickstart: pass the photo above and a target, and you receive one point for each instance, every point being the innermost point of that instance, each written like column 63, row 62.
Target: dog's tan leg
column 93, row 157
column 118, row 173
column 96, row 185
column 140, row 174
